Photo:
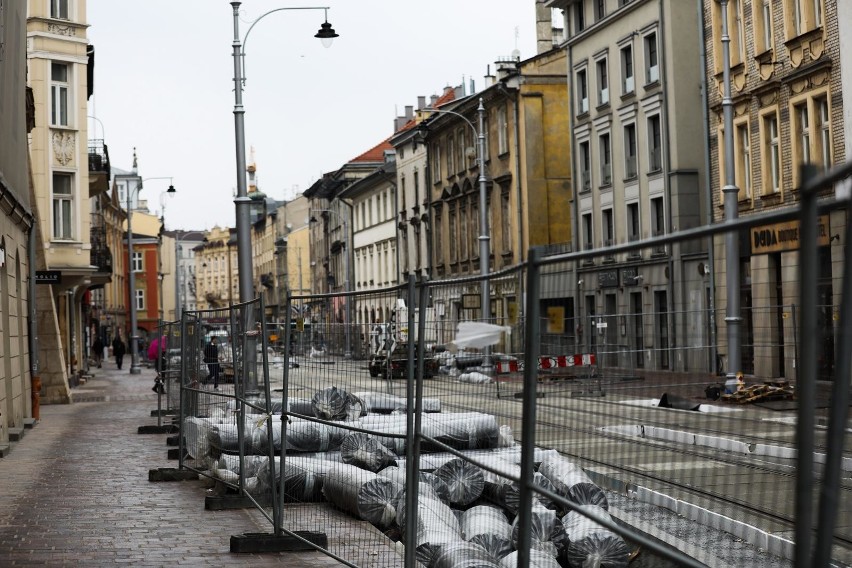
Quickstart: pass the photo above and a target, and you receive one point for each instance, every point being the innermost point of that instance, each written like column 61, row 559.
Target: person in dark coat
column 118, row 350
column 98, row 350
column 211, row 357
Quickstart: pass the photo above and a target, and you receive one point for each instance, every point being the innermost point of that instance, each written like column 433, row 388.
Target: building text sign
column 785, row 236
column 48, row 276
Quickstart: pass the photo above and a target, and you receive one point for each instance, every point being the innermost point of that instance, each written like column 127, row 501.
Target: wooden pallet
column 772, row 390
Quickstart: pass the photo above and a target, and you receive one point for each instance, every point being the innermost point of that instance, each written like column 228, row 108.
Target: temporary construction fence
column 409, row 455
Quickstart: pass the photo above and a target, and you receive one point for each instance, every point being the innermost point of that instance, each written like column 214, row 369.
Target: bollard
column 36, row 394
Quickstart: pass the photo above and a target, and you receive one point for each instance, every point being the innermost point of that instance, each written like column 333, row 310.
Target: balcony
column 99, row 168
column 608, row 256
column 100, row 255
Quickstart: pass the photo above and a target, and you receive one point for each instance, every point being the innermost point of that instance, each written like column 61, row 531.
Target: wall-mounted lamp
column 579, row 282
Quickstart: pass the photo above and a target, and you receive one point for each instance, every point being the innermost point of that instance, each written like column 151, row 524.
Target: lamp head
column 326, row 33
column 171, row 189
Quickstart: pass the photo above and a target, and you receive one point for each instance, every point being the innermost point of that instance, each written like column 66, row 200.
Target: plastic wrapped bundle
column 437, row 485
column 301, row 484
column 378, row 402
column 548, row 534
column 592, row 544
column 475, row 377
column 366, row 452
column 195, row 432
column 464, row 480
column 436, row 525
column 302, row 436
column 508, row 493
column 537, row 560
column 333, row 403
column 571, row 481
column 487, row 526
column 224, row 439
column 377, row 501
column 341, row 484
column 296, row 405
column 469, row 433
column 461, row 554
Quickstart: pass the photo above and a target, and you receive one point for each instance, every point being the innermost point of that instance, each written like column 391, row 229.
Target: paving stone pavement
column 75, row 491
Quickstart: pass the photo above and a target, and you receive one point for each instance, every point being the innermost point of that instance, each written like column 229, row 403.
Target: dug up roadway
column 74, row 491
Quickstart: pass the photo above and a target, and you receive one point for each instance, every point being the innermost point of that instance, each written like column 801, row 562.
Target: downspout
column 32, row 340
column 518, row 186
column 575, row 231
column 667, row 181
column 708, row 195
column 428, row 177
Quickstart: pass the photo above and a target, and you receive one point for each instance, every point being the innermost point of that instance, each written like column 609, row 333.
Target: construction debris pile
column 467, row 514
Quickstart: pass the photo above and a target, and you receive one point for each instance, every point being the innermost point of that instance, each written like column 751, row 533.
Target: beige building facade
column 57, row 60
column 787, row 106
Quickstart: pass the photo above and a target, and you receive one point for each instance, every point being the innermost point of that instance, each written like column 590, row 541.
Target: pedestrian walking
column 98, row 350
column 211, row 357
column 118, row 350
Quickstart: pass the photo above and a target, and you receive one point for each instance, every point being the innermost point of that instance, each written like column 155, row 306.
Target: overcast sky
column 164, row 85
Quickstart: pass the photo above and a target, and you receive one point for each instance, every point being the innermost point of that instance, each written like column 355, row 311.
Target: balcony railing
column 99, row 167
column 100, row 255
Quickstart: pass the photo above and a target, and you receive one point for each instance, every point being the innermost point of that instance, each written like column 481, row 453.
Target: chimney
column 433, row 100
column 489, row 78
column 543, row 27
column 421, row 103
column 409, row 112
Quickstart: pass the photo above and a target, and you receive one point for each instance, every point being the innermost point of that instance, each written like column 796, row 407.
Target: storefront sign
column 48, row 276
column 471, row 301
column 785, row 236
column 555, row 319
column 608, row 279
column 628, row 276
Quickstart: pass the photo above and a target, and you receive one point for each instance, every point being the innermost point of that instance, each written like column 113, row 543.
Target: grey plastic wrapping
column 342, row 483
column 333, row 403
column 464, row 480
column 195, row 432
column 437, row 525
column 571, row 482
column 223, row 439
column 437, row 485
column 463, row 431
column 548, row 534
column 302, row 436
column 593, row 546
column 301, row 484
column 488, row 527
column 537, row 560
column 507, row 493
column 379, row 402
column 366, row 452
column 377, row 501
column 461, row 554
column 296, row 405
column 484, row 519
column 431, row 462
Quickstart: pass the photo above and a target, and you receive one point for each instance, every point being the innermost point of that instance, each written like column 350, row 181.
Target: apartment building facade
column 527, row 182
column 58, row 71
column 17, row 221
column 636, row 106
column 216, row 269
column 786, row 88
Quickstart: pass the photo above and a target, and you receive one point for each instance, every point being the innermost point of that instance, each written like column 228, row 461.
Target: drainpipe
column 518, row 185
column 708, row 195
column 667, row 181
column 33, row 326
column 575, row 231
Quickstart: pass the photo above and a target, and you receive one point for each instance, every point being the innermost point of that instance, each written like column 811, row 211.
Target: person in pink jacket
column 157, row 352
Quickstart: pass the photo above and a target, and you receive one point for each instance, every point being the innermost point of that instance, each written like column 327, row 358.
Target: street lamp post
column 135, row 369
column 484, row 233
column 347, row 353
column 731, row 194
column 242, row 201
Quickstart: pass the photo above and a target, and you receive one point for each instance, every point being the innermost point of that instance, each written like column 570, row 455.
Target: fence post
column 531, row 354
column 805, row 385
column 285, row 403
column 412, row 477
column 838, row 415
column 181, row 394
